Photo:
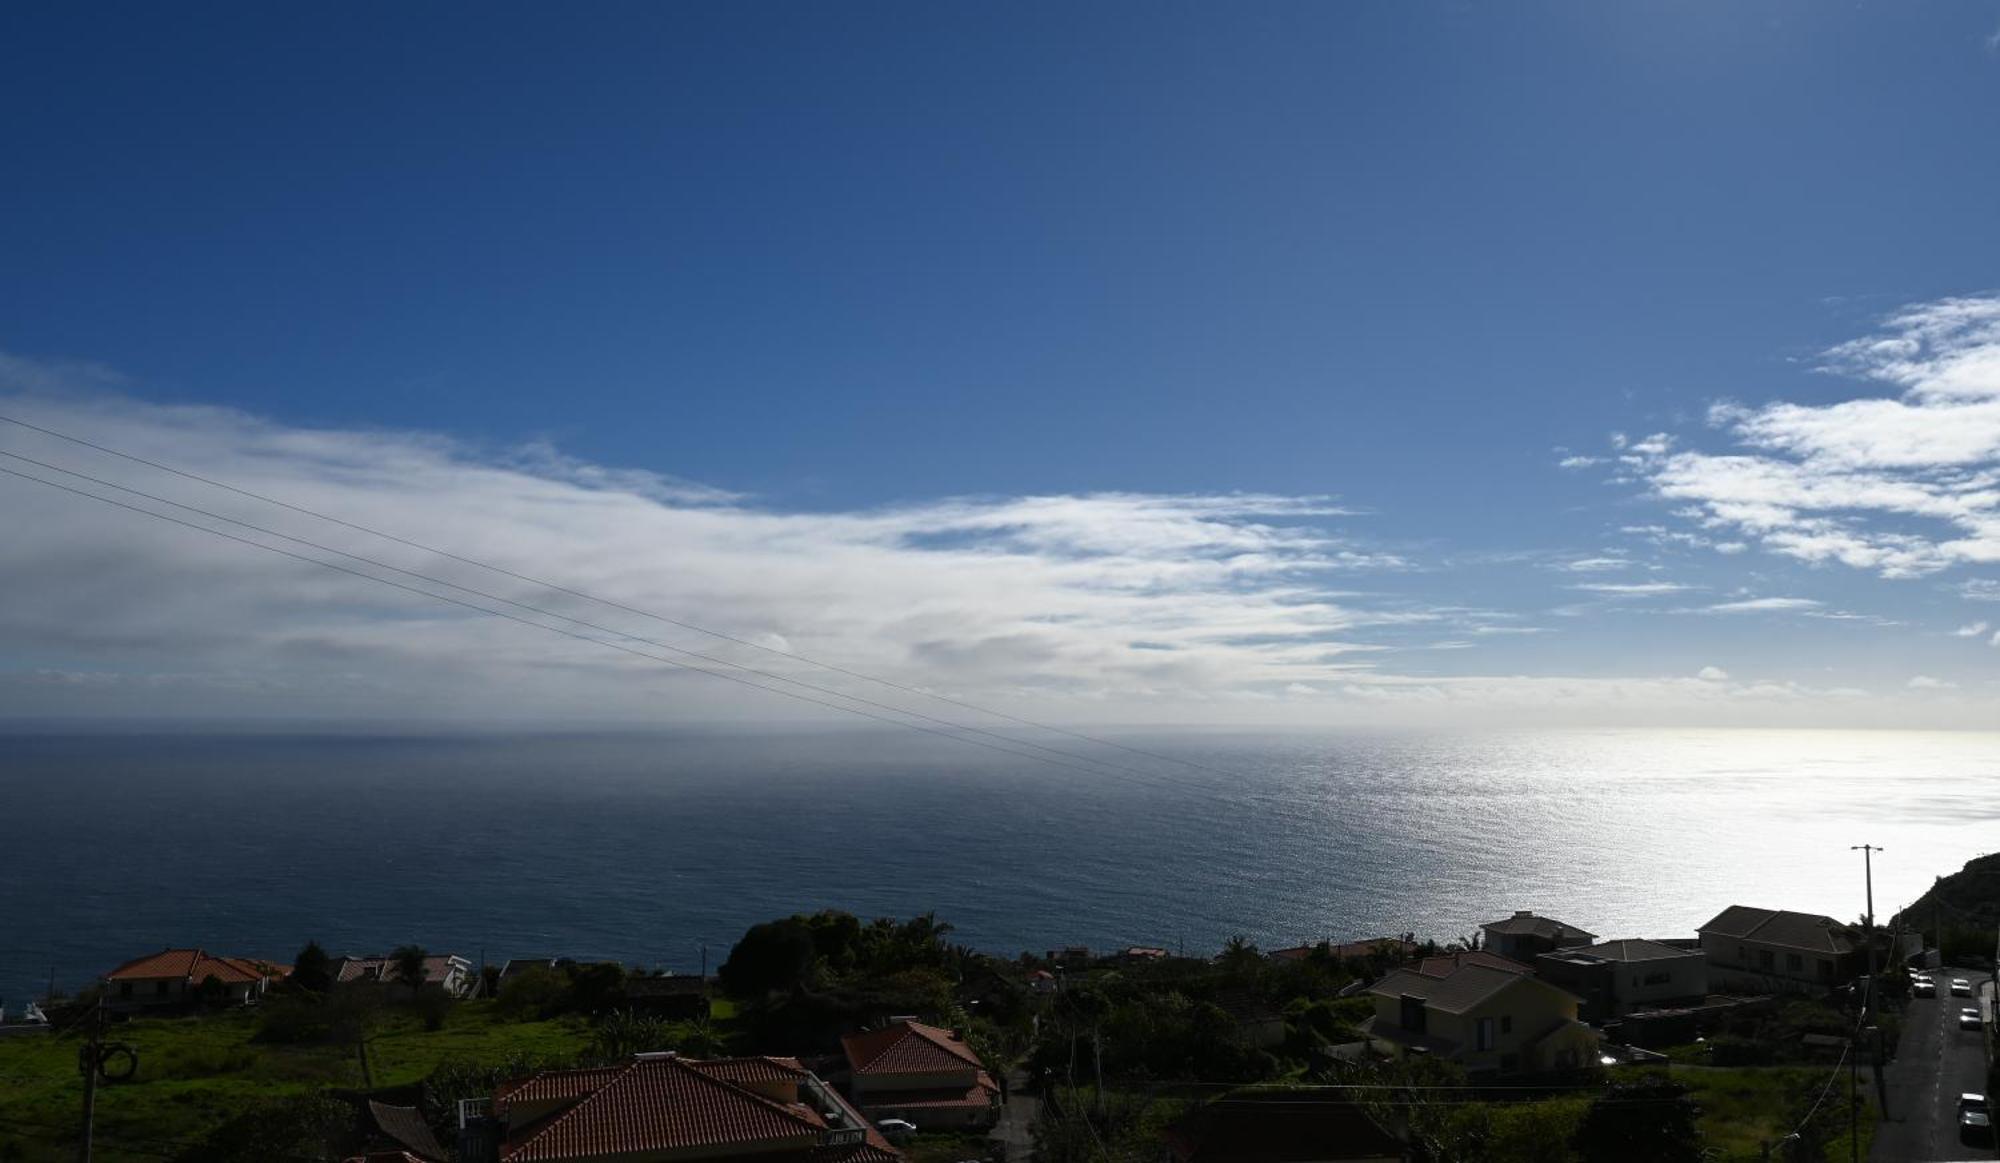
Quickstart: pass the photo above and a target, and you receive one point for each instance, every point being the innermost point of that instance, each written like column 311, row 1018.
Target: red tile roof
column 655, row 1104
column 189, row 965
column 761, row 1069
column 980, row 1094
column 907, row 1048
column 1445, row 963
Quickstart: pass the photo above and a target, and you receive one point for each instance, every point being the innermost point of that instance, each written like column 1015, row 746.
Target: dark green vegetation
column 217, row 1087
column 1125, row 1050
column 1962, row 911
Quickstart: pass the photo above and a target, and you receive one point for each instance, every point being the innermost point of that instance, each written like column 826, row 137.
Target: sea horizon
column 641, row 846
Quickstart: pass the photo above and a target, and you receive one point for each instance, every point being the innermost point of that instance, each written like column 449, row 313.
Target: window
column 1766, row 960
column 1825, row 969
column 1507, row 1024
column 1794, row 962
column 1413, row 1014
column 124, row 989
column 160, row 988
column 1484, row 1037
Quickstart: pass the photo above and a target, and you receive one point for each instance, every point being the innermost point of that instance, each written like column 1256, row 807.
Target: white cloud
column 1970, row 630
column 1902, row 486
column 1762, row 606
column 1924, row 682
column 1712, row 674
column 1980, row 589
column 1579, row 461
column 1595, row 564
column 1631, row 589
column 1146, row 598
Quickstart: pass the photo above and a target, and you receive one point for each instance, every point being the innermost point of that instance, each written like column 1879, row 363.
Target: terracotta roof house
column 1614, row 978
column 1773, row 950
column 1525, row 936
column 662, row 1107
column 922, row 1074
column 1042, row 981
column 174, row 978
column 444, row 973
column 1486, row 1018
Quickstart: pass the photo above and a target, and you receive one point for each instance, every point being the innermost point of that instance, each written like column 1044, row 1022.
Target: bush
column 433, row 1007
column 533, row 994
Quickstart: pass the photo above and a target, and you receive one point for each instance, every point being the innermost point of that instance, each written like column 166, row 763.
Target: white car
column 1961, row 987
column 1968, row 1019
column 1922, row 987
column 896, row 1130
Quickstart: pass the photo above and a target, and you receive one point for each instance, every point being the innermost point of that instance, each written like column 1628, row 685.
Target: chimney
column 1524, row 912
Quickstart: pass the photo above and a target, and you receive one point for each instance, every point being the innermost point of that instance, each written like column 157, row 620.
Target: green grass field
column 194, row 1073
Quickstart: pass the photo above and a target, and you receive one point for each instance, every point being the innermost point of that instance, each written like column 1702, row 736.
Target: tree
column 1655, row 1121
column 773, row 956
column 407, row 967
column 312, row 969
column 211, row 992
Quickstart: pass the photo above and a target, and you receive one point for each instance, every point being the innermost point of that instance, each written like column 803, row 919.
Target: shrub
column 533, row 994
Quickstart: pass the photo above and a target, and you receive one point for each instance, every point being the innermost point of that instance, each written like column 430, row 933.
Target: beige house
column 1776, row 951
column 1525, row 936
column 1488, row 1019
column 1615, row 978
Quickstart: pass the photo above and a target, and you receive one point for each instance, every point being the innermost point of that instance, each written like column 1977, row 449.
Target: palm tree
column 407, row 967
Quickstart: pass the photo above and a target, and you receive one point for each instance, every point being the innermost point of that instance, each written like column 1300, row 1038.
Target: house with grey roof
column 1614, row 978
column 1779, row 951
column 1488, row 1019
column 1525, row 936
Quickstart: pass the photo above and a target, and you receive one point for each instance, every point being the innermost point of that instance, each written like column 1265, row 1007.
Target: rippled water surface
column 640, row 847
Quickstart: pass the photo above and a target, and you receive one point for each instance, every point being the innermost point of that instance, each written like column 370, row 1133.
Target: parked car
column 1968, row 1019
column 1975, row 1127
column 896, row 1130
column 1961, row 987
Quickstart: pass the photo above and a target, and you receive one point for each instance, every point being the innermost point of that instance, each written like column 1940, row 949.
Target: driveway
column 1013, row 1138
column 1935, row 1063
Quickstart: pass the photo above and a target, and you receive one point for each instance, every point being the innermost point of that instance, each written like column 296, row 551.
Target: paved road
column 1013, row 1138
column 1935, row 1063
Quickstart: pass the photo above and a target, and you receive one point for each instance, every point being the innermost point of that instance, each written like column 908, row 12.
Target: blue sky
column 845, row 262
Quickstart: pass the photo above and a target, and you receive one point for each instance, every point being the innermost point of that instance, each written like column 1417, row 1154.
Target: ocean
column 644, row 847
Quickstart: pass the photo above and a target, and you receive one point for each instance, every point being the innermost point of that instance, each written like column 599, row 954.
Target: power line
column 548, row 613
column 1095, row 772
column 502, row 570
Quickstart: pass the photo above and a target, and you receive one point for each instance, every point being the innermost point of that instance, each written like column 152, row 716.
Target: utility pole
column 91, row 1062
column 1868, row 852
